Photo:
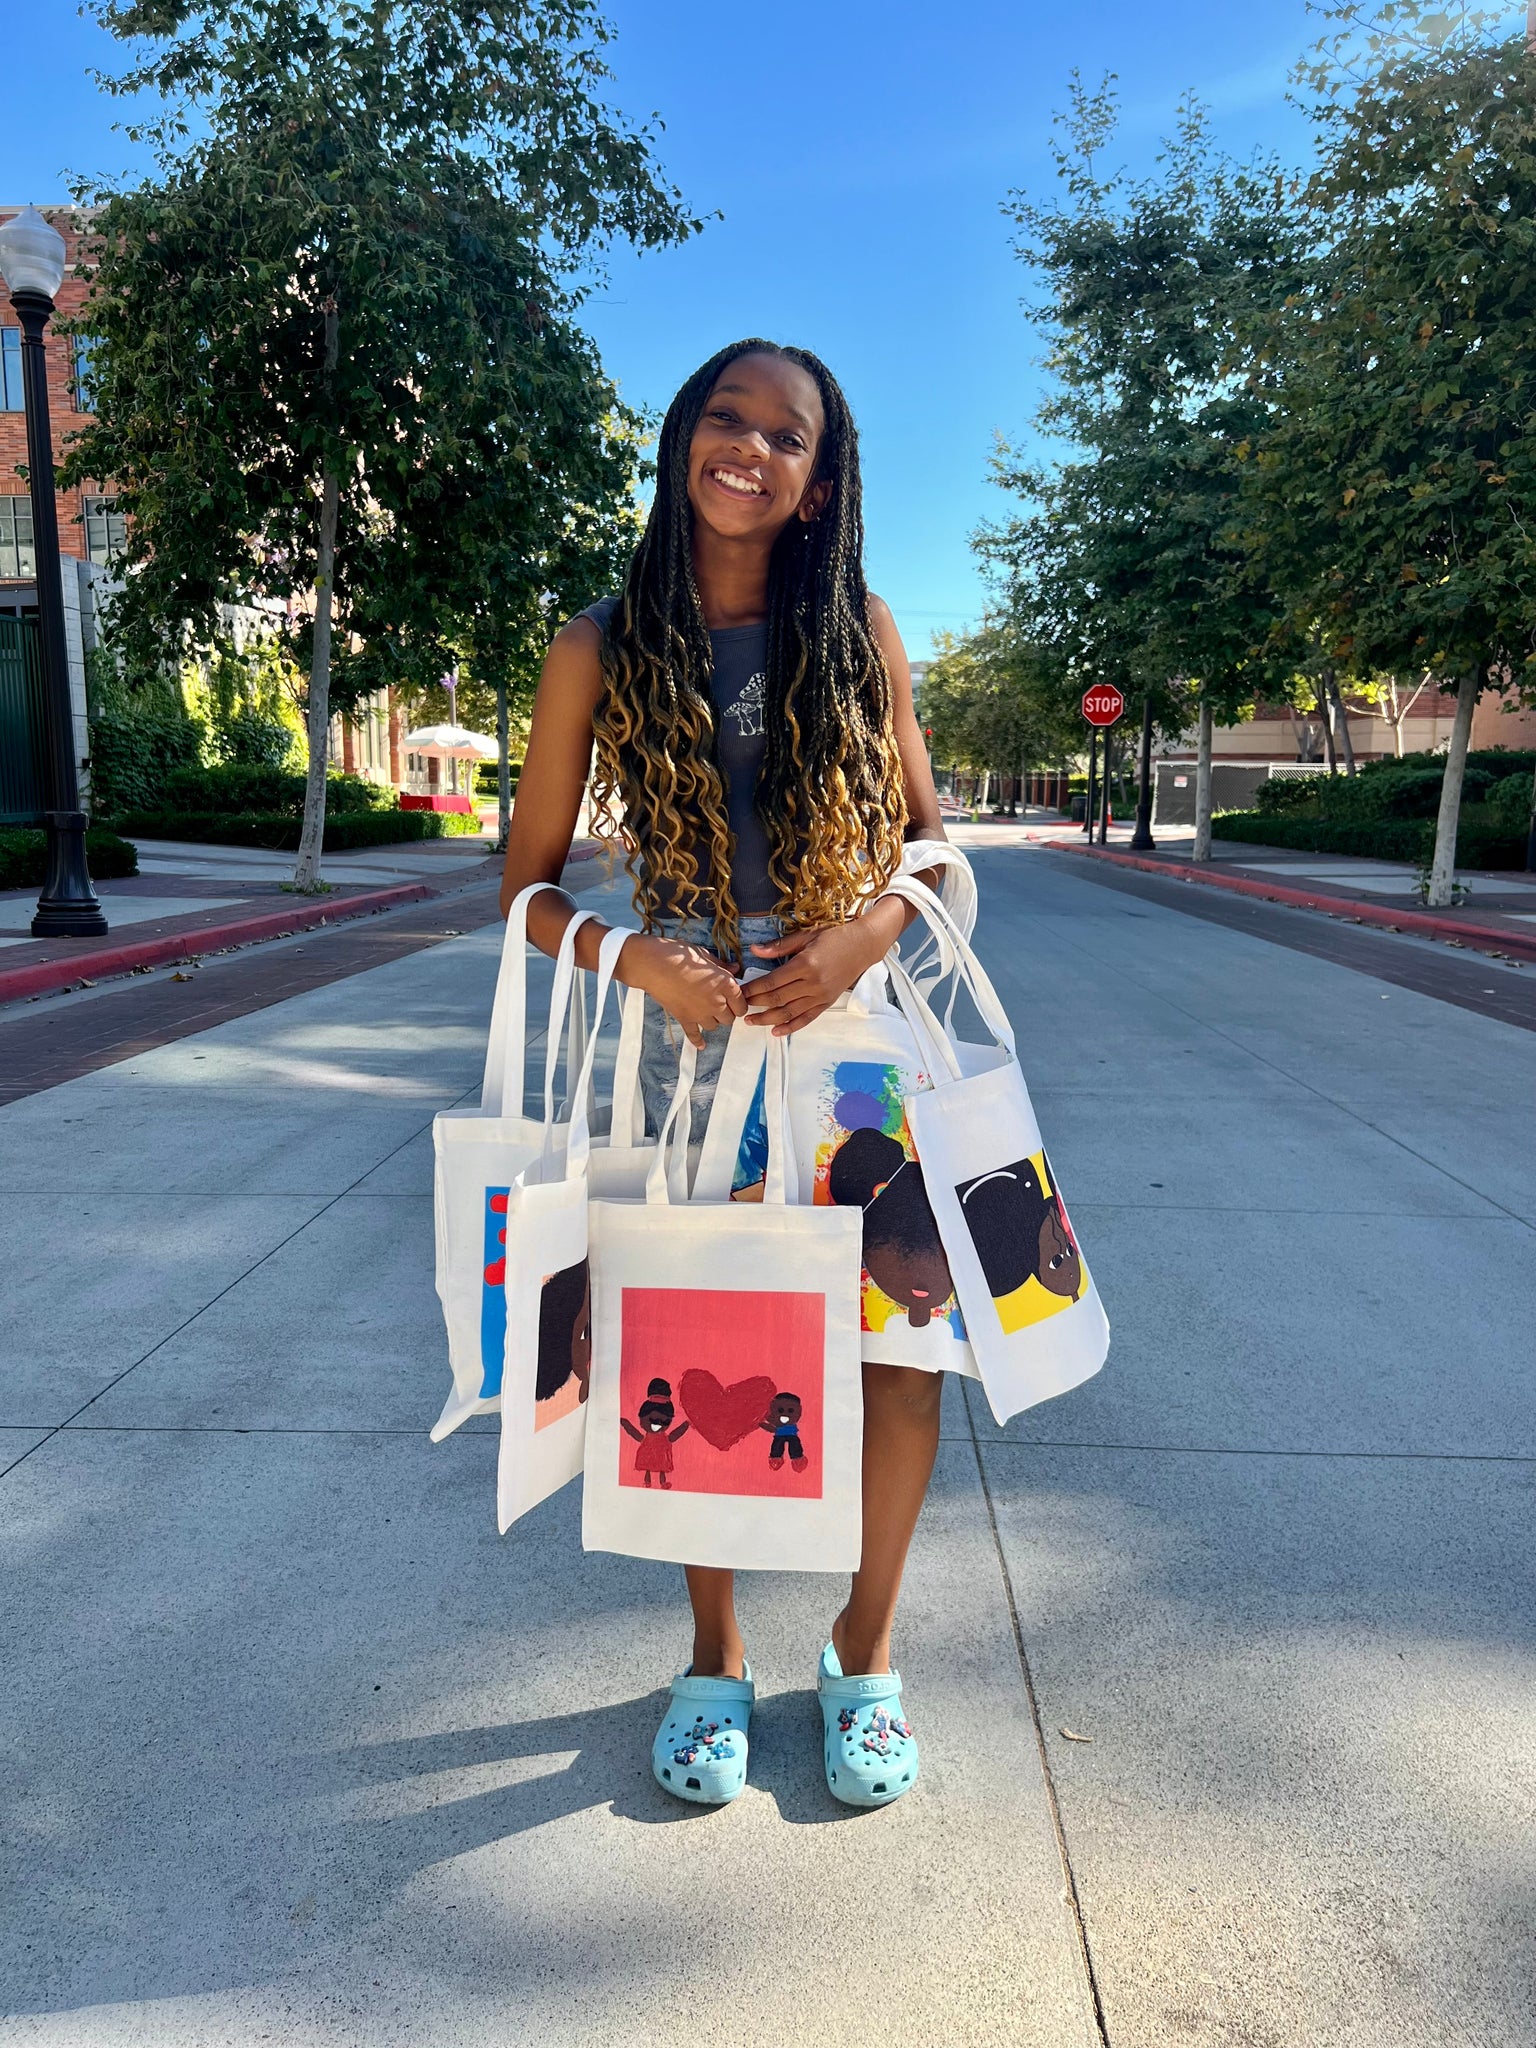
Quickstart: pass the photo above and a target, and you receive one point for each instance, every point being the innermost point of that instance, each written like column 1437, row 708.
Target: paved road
column 298, row 1750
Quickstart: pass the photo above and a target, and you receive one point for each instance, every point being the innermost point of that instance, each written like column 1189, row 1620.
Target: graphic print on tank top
column 747, row 711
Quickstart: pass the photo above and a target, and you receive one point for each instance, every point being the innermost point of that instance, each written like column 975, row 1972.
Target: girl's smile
column 752, row 458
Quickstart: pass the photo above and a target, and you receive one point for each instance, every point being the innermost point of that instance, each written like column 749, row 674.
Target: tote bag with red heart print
column 726, row 1420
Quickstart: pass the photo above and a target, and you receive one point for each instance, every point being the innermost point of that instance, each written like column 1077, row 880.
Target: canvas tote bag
column 547, row 1286
column 725, row 1424
column 850, row 1074
column 1036, row 1323
column 478, row 1153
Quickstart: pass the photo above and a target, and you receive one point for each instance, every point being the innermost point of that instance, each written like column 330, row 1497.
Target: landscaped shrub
column 24, row 857
column 280, row 830
column 1285, row 793
column 253, row 739
column 1482, row 840
column 242, row 789
column 134, row 751
column 1510, row 801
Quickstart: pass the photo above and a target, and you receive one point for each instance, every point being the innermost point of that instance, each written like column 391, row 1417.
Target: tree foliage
column 336, row 354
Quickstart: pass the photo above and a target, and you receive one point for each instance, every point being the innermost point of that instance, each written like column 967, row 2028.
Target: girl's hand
column 818, row 968
column 689, row 983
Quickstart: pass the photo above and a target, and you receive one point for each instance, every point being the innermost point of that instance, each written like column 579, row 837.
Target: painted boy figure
column 783, row 1424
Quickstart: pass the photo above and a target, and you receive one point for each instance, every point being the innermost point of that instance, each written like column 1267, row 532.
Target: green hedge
column 244, row 789
column 1481, row 842
column 24, row 857
column 280, row 832
column 133, row 752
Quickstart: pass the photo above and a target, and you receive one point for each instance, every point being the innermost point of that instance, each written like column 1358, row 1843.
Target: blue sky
column 858, row 150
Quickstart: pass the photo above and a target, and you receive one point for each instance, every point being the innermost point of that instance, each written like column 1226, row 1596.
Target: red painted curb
column 46, row 975
column 1422, row 924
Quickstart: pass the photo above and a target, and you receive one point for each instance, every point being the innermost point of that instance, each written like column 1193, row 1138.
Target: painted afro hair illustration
column 903, row 1253
column 1019, row 1231
column 565, row 1331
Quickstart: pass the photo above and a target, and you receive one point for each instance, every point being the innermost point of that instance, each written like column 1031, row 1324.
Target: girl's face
column 753, row 454
column 1061, row 1270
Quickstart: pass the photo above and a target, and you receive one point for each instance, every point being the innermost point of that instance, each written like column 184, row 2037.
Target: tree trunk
column 1342, row 714
column 1325, row 712
column 1442, row 874
column 503, row 769
column 1201, row 850
column 1141, row 839
column 306, row 872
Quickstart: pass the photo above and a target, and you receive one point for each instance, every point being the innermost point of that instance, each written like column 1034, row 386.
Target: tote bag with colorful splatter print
column 850, row 1074
column 1036, row 1323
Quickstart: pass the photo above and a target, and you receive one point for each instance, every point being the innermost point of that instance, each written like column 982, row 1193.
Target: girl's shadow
column 609, row 1764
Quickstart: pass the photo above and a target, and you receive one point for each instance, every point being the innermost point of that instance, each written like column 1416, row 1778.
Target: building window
column 11, row 399
column 106, row 530
column 85, row 395
column 18, row 557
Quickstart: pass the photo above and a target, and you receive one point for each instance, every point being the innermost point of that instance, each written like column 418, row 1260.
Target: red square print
column 720, row 1391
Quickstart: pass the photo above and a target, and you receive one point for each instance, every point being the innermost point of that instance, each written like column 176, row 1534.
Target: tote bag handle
column 967, row 966
column 628, row 1124
column 781, row 1183
column 579, row 1141
column 506, row 1045
column 933, row 958
column 664, row 1183
column 561, row 1021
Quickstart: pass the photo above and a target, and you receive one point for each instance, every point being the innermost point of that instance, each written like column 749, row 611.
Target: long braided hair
column 830, row 793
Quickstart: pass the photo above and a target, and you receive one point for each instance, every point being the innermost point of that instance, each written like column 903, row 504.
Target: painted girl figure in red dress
column 655, row 1434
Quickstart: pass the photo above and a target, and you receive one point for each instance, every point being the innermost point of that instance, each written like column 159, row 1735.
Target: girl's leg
column 901, row 1440
column 718, row 1650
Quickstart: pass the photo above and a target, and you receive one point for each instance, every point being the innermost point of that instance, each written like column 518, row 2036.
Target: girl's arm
column 821, row 966
column 688, row 982
column 637, row 1434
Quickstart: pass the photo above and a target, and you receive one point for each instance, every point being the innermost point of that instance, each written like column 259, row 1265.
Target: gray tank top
column 737, row 687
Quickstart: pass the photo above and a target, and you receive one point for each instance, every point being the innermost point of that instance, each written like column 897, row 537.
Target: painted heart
column 724, row 1415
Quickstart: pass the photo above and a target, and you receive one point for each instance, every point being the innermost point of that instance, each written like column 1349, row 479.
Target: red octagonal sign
column 1103, row 704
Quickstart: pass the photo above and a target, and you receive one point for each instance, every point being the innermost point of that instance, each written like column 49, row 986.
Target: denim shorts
column 661, row 1042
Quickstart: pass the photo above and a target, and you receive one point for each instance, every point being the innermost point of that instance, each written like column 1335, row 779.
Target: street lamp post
column 32, row 257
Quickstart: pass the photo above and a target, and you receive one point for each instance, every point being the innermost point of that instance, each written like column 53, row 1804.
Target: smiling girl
column 758, row 761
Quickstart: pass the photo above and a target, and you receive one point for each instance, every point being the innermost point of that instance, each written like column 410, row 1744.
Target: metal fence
column 21, row 723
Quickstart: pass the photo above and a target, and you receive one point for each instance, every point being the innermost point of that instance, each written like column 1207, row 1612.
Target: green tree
column 1129, row 561
column 336, row 360
column 1393, row 490
column 995, row 703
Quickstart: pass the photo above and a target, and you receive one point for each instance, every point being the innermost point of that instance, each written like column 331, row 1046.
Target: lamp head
column 32, row 254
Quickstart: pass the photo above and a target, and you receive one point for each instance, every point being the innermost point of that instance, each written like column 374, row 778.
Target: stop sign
column 1103, row 704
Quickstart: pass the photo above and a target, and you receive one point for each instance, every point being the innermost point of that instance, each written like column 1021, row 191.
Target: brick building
column 90, row 527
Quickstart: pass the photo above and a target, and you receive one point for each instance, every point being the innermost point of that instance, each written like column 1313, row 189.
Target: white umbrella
column 452, row 742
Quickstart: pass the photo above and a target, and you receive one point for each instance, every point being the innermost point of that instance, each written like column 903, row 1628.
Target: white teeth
column 737, row 483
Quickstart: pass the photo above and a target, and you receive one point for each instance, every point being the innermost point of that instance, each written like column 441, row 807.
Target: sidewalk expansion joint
column 1046, row 1443
column 1071, row 1893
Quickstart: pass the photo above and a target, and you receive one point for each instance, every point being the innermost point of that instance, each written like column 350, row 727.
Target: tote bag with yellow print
column 1036, row 1324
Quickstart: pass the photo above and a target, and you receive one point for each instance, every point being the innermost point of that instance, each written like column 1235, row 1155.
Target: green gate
column 21, row 722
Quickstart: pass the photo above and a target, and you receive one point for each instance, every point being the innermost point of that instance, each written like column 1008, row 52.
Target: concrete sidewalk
column 299, row 1750
column 188, row 900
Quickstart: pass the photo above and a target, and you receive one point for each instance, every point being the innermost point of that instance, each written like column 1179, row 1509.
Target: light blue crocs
column 870, row 1752
column 700, row 1751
